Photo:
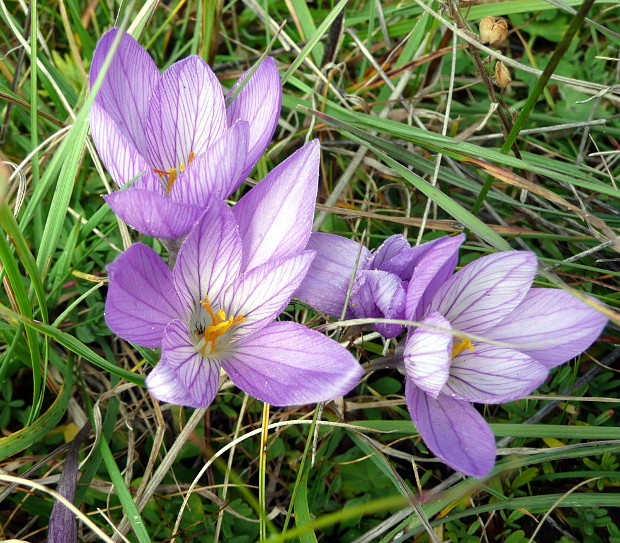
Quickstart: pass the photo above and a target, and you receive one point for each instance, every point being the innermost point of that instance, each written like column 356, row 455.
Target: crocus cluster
column 484, row 334
column 173, row 136
column 176, row 148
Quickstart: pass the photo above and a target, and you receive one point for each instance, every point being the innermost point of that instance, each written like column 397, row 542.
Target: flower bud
column 502, row 75
column 493, row 32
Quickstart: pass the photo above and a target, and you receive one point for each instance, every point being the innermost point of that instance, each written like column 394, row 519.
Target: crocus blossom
column 380, row 278
column 234, row 274
column 445, row 370
column 175, row 131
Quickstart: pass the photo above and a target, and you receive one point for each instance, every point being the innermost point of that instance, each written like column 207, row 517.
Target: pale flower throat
column 211, row 331
column 173, row 173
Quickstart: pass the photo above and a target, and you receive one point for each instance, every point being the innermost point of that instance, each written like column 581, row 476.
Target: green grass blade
column 314, row 40
column 74, row 345
column 24, row 438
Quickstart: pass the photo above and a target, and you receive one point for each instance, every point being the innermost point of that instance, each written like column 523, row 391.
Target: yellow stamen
column 218, row 327
column 463, row 343
column 172, row 173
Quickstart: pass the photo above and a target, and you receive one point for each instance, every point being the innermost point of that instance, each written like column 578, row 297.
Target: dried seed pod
column 502, row 75
column 485, row 26
column 493, row 32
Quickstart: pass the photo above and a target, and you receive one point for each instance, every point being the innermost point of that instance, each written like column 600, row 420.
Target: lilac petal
column 141, row 298
column 183, row 376
column 391, row 248
column 327, row 282
column 210, row 257
column 287, row 364
column 164, row 384
column 275, row 217
column 127, row 85
column 427, row 355
column 261, row 294
column 480, row 295
column 550, row 325
column 119, row 156
column 453, row 430
column 379, row 294
column 216, row 173
column 433, row 268
column 259, row 103
column 152, row 213
column 492, row 374
column 186, row 114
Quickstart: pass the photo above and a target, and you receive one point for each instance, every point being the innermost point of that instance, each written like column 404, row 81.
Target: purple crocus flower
column 445, row 371
column 381, row 278
column 235, row 273
column 175, row 131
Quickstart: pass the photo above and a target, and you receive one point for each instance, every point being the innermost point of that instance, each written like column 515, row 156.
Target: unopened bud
column 502, row 75
column 493, row 32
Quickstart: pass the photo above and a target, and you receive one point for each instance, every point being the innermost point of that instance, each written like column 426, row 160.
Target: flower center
column 463, row 343
column 209, row 334
column 172, row 173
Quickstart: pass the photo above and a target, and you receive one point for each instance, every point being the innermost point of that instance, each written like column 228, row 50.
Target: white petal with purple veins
column 432, row 269
column 287, row 364
column 453, row 430
column 141, row 298
column 261, row 294
column 327, row 281
column 127, row 85
column 196, row 375
column 550, row 325
column 427, row 354
column 210, row 257
column 275, row 217
column 482, row 293
column 186, row 114
column 216, row 173
column 152, row 213
column 163, row 383
column 119, row 156
column 492, row 374
column 259, row 103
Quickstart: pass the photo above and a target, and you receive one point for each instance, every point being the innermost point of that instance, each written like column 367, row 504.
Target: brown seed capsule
column 493, row 32
column 502, row 75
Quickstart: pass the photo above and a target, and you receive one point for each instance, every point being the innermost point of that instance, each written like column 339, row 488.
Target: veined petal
column 259, row 103
column 481, row 294
column 391, row 248
column 432, row 269
column 492, row 374
column 275, row 217
column 119, row 155
column 453, row 430
column 285, row 363
column 550, row 325
column 210, row 257
column 186, row 114
column 184, row 377
column 141, row 298
column 261, row 294
column 379, row 294
column 164, row 384
column 428, row 353
column 216, row 173
column 152, row 213
column 127, row 86
column 327, row 281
